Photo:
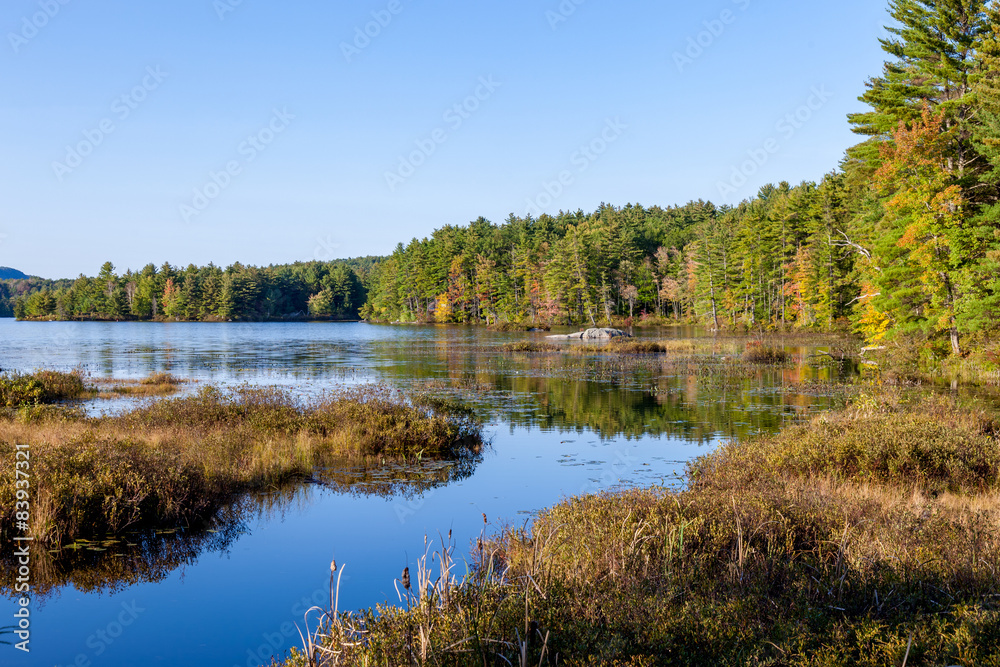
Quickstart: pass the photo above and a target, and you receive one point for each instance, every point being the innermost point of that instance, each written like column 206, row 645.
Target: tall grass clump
column 154, row 384
column 40, row 387
column 867, row 537
column 175, row 461
column 637, row 346
column 758, row 353
column 930, row 445
column 529, row 346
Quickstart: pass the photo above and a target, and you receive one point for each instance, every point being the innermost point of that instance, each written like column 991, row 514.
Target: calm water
column 558, row 425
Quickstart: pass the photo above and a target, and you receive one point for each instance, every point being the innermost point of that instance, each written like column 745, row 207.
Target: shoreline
column 842, row 541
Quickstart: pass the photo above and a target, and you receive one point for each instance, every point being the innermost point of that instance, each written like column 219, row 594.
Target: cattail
column 406, row 578
column 484, row 518
column 333, row 566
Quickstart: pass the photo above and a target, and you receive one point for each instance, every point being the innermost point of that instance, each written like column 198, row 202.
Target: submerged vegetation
column 174, row 461
column 869, row 537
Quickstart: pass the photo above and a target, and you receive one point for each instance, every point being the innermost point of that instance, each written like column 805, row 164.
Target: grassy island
column 171, row 461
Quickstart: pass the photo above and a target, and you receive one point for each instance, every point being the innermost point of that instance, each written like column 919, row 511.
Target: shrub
column 41, row 387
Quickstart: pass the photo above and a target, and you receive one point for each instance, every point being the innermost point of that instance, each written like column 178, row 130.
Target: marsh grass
column 530, row 346
column 173, row 461
column 758, row 352
column 39, row 388
column 868, row 537
column 155, row 384
column 640, row 346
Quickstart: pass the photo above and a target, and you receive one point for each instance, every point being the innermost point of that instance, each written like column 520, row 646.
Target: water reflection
column 112, row 564
column 632, row 421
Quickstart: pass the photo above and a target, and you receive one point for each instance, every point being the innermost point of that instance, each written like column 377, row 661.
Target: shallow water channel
column 558, row 425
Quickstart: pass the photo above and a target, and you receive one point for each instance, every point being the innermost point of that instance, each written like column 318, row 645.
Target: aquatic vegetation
column 174, row 461
column 774, row 554
column 642, row 346
column 530, row 346
column 40, row 387
column 759, row 353
column 155, row 384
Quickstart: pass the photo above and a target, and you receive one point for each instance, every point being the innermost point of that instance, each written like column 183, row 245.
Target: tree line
column 324, row 290
column 900, row 241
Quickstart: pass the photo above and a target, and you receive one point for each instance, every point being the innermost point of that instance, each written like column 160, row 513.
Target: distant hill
column 7, row 273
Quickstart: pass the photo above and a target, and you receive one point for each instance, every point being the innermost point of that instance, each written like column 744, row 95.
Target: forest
column 901, row 241
column 307, row 290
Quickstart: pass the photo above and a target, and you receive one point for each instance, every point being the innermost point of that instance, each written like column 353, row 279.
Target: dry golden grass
column 156, row 384
column 176, row 460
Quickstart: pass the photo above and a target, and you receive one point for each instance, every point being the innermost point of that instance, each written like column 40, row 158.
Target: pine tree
column 933, row 51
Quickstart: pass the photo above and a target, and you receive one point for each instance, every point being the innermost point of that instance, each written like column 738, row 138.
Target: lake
column 558, row 425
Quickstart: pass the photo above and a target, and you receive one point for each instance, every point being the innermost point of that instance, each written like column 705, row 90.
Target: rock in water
column 594, row 334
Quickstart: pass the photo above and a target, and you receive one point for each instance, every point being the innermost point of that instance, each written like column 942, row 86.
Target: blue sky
column 196, row 131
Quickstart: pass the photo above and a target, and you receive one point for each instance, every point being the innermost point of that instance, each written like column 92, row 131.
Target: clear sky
column 196, row 131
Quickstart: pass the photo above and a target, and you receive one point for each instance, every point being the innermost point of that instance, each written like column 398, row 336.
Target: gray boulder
column 594, row 334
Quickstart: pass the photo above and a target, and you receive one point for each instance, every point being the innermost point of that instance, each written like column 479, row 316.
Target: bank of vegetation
column 173, row 462
column 304, row 290
column 869, row 536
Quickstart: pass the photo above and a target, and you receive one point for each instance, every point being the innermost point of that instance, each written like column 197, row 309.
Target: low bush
column 41, row 387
